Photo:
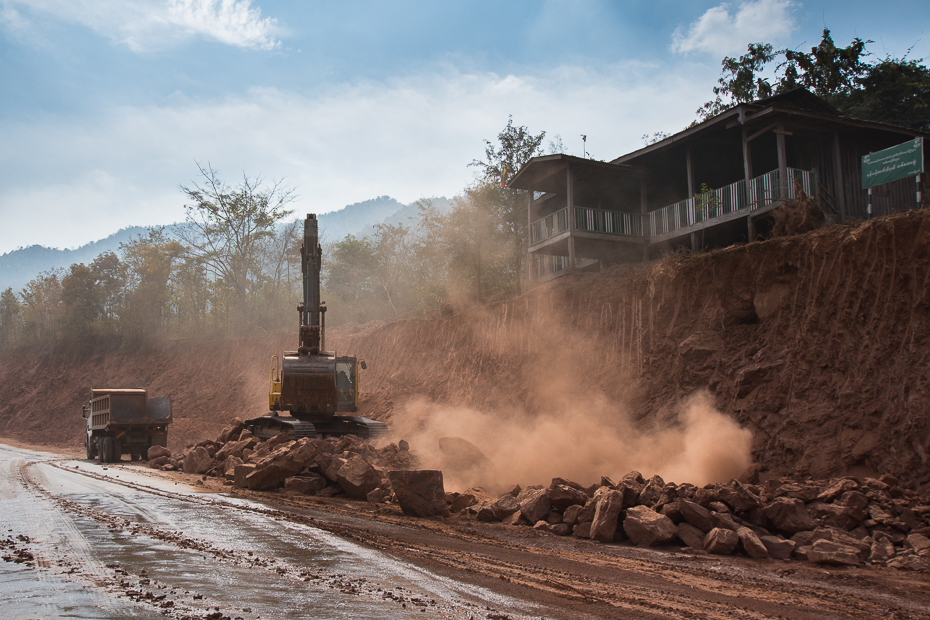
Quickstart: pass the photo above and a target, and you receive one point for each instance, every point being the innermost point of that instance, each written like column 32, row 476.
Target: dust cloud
column 583, row 443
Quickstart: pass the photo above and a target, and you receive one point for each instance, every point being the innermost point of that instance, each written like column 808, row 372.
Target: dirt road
column 82, row 540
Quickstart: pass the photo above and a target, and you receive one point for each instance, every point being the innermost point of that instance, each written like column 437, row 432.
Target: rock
column 504, row 506
column 464, row 458
column 420, row 493
column 235, row 448
column 157, row 452
column 778, row 548
column 197, row 461
column 836, row 489
column 230, row 463
column 918, row 542
column 267, row 478
column 690, row 535
column 829, row 552
column 357, row 478
column 241, row 473
column 158, row 461
column 541, row 526
column 881, row 551
column 534, row 504
column 462, row 502
column 586, row 514
column 724, row 520
column 316, row 483
column 515, row 519
column 753, row 546
column 561, row 529
column 704, row 496
column 720, row 541
column 570, row 515
column 582, row 530
column 696, row 515
column 297, row 485
column 646, row 527
column 738, row 497
column 562, row 495
column 376, row 496
column 606, row 516
column 789, row 515
column 246, row 434
column 403, row 446
column 554, row 517
column 484, row 513
column 672, row 510
column 231, row 432
column 651, row 491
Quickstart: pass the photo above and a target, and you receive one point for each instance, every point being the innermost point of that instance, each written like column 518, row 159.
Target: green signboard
column 898, row 162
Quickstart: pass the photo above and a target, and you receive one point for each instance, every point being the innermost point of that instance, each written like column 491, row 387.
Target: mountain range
column 20, row 266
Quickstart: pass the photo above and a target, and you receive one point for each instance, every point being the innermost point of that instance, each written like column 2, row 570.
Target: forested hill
column 20, row 266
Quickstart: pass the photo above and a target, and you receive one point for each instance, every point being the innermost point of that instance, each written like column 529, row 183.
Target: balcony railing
column 608, row 222
column 549, row 226
column 542, row 265
column 757, row 193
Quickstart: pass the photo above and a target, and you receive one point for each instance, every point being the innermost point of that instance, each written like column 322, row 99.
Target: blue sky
column 108, row 104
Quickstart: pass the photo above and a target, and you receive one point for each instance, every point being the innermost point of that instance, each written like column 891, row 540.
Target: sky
column 108, row 106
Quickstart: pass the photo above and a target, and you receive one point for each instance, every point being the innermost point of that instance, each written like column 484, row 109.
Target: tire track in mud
column 404, row 599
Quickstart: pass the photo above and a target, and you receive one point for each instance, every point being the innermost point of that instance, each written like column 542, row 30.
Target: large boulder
column 267, row 478
column 753, row 546
column 197, row 461
column 696, row 515
column 504, row 506
column 232, row 431
column 240, row 475
column 606, row 516
column 534, row 504
column 158, row 451
column 738, row 497
column 158, row 461
column 778, row 548
column 646, row 527
column 789, row 515
column 829, row 552
column 357, row 478
column 291, row 456
column 690, row 535
column 420, row 493
column 235, row 448
column 563, row 495
column 464, row 458
column 720, row 541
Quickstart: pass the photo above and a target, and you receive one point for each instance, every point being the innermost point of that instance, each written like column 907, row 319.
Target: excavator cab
column 347, row 375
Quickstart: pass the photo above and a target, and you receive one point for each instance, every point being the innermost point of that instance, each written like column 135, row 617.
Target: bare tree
column 225, row 227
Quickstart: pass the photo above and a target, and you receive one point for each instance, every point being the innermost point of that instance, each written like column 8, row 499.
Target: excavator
column 314, row 386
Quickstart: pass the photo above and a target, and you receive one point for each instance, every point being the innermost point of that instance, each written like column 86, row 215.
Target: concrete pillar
column 783, row 183
column 838, row 192
column 529, row 234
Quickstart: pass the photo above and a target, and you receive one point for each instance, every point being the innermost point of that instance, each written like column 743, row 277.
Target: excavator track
column 265, row 427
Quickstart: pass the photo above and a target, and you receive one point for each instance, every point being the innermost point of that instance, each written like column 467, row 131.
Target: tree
column 80, row 304
column 895, row 91
column 149, row 264
column 10, row 319
column 507, row 207
column 110, row 276
column 225, row 227
column 42, row 306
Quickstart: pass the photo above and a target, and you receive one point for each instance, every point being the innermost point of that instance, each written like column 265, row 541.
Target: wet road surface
column 84, row 541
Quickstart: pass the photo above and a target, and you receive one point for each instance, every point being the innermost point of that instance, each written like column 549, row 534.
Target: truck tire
column 116, row 451
column 106, row 449
column 89, row 446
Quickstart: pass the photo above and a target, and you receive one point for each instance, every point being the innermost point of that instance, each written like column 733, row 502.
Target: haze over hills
column 20, row 266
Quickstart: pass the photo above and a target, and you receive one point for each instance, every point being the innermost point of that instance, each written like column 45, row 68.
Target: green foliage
column 10, row 319
column 895, row 91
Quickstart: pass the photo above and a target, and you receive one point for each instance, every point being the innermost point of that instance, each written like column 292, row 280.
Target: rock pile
column 325, row 467
column 844, row 521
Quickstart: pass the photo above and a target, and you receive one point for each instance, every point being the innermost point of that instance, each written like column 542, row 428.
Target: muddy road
column 79, row 540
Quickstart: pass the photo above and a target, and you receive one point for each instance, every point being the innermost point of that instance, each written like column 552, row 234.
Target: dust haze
column 571, row 421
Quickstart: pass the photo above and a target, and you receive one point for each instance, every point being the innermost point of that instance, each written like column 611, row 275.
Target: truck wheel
column 106, row 449
column 117, row 451
column 89, row 446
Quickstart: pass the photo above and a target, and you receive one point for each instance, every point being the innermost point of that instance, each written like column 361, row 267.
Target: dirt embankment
column 817, row 344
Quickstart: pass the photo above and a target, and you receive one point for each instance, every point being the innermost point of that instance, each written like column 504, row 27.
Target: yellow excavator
column 313, row 385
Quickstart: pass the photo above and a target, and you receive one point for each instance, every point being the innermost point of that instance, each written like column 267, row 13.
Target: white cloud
column 719, row 32
column 144, row 25
column 233, row 22
column 408, row 138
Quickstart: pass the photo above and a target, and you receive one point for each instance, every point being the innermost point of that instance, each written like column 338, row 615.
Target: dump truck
column 314, row 386
column 124, row 421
